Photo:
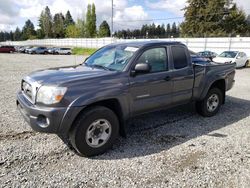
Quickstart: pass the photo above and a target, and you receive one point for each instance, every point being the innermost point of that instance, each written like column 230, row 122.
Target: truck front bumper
column 46, row 119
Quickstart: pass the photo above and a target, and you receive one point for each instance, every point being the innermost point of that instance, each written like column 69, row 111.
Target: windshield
column 112, row 57
column 228, row 54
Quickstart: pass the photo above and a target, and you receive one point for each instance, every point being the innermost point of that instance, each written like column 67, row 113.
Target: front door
column 151, row 90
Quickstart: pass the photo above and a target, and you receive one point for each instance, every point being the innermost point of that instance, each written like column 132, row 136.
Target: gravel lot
column 173, row 148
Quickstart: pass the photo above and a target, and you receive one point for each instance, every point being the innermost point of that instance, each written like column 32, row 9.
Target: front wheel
column 247, row 63
column 211, row 104
column 94, row 131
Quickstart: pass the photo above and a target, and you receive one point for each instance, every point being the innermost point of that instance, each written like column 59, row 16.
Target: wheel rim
column 98, row 133
column 212, row 102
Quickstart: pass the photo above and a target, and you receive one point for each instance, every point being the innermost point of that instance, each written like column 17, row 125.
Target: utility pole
column 112, row 15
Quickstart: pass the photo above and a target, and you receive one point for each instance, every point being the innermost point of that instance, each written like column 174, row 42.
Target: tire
column 211, row 104
column 66, row 140
column 86, row 134
column 246, row 64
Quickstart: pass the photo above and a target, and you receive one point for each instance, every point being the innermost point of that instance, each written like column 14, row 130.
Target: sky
column 14, row 13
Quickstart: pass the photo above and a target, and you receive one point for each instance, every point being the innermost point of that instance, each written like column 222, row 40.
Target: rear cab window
column 180, row 59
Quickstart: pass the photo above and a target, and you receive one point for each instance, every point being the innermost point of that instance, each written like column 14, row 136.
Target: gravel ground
column 173, row 148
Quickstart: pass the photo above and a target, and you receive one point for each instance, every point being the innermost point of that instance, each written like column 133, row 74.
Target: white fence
column 196, row 44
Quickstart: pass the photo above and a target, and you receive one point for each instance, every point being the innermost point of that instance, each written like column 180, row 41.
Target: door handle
column 167, row 78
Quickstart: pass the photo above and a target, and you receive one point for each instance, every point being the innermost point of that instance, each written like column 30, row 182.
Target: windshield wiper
column 102, row 67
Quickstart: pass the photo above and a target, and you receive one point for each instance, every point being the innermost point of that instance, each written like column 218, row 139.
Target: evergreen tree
column 17, row 34
column 174, row 30
column 93, row 21
column 11, row 36
column 58, row 26
column 2, row 36
column 45, row 23
column 90, row 21
column 104, row 30
column 68, row 19
column 28, row 31
column 163, row 31
column 168, row 31
column 212, row 18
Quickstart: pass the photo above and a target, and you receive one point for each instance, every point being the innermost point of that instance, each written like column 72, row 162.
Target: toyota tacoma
column 88, row 105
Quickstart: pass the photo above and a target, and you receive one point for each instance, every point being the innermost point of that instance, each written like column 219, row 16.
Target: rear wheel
column 94, row 131
column 211, row 104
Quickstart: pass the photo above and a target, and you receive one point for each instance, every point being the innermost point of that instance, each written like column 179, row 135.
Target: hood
column 222, row 59
column 61, row 75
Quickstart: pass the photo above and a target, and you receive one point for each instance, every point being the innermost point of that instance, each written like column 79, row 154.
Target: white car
column 64, row 51
column 240, row 58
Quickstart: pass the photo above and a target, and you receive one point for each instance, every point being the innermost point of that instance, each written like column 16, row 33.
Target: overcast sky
column 14, row 13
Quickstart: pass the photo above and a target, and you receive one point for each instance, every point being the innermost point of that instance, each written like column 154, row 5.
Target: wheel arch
column 114, row 105
column 220, row 84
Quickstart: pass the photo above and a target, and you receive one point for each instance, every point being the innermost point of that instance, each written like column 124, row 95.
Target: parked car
column 240, row 58
column 22, row 49
column 7, row 49
column 38, row 50
column 52, row 50
column 88, row 105
column 63, row 51
column 208, row 54
column 27, row 49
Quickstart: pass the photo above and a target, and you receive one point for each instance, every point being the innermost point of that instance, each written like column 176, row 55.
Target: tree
column 72, row 31
column 45, row 22
column 91, row 21
column 68, row 19
column 104, row 30
column 17, row 34
column 237, row 20
column 174, row 30
column 28, row 31
column 80, row 24
column 162, row 31
column 58, row 26
column 168, row 31
column 212, row 18
column 1, row 36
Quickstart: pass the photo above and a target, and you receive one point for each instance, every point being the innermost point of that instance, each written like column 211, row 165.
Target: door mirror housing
column 142, row 68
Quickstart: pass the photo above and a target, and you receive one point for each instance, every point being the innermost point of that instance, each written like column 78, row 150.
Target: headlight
column 50, row 94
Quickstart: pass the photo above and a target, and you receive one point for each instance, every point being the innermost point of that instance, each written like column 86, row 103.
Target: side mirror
column 141, row 68
column 238, row 57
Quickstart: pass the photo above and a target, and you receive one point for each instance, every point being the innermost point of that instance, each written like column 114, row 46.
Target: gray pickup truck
column 88, row 105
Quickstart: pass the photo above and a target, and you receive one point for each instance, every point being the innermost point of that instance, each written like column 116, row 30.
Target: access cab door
column 182, row 74
column 151, row 91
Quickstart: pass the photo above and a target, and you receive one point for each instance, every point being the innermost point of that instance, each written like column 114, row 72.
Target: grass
column 83, row 51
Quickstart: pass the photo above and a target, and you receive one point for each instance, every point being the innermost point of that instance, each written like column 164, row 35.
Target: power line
column 170, row 18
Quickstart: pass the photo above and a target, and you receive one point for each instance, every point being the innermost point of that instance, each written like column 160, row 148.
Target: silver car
column 63, row 51
column 38, row 50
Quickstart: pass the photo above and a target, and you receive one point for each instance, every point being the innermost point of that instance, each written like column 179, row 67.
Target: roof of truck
column 148, row 43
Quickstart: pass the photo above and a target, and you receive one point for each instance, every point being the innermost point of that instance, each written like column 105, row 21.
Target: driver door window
column 156, row 58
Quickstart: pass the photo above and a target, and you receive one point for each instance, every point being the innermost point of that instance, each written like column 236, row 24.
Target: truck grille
column 27, row 90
